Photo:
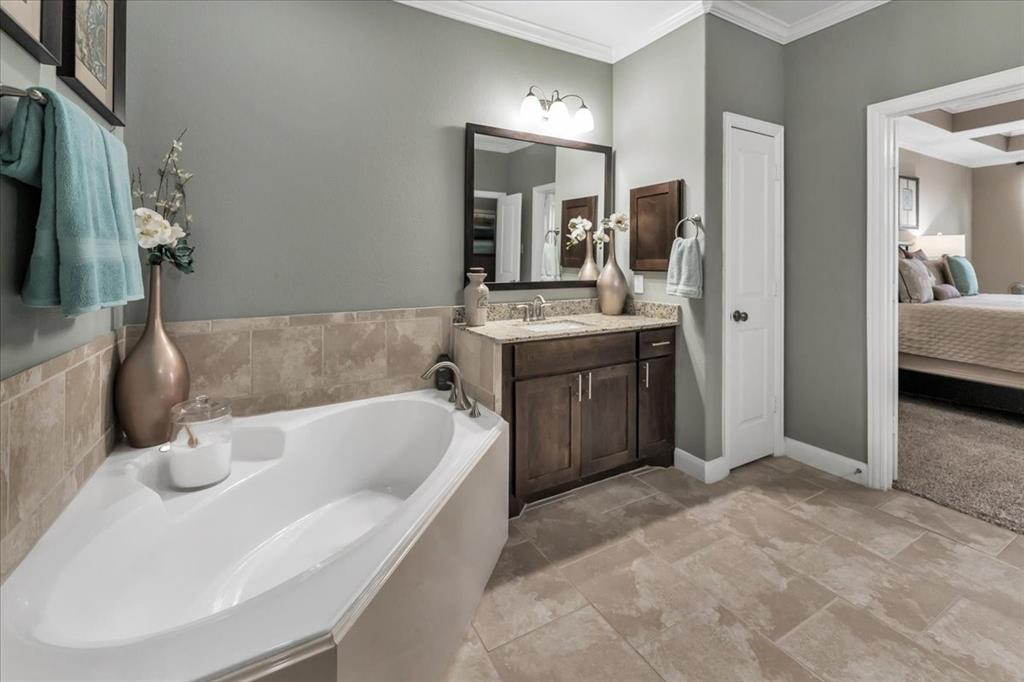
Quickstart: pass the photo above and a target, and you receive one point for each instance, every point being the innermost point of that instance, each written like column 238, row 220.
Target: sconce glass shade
column 584, row 120
column 530, row 110
column 558, row 115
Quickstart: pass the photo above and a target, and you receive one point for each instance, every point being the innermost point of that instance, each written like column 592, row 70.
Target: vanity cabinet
column 587, row 407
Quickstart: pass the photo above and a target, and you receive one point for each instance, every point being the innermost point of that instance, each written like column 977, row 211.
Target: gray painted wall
column 659, row 136
column 831, row 77
column 944, row 195
column 29, row 336
column 744, row 76
column 528, row 168
column 334, row 159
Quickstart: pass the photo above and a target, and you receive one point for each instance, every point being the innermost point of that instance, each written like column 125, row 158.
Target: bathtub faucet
column 458, row 392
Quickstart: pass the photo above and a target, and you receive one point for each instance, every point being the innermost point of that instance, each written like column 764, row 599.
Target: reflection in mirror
column 524, row 195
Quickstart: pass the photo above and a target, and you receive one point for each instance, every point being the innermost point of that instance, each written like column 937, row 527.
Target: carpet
column 966, row 459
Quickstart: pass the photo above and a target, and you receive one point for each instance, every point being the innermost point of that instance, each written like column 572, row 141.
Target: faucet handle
column 541, row 316
column 526, row 311
column 474, row 412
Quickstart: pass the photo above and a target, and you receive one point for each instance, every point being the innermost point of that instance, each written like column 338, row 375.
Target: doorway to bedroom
column 957, row 220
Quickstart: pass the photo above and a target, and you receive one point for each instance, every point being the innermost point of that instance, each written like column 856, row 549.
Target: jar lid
column 200, row 409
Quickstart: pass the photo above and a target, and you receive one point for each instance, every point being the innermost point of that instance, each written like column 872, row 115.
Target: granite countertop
column 591, row 324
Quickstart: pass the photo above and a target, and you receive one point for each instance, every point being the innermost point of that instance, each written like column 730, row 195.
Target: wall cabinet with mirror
column 521, row 191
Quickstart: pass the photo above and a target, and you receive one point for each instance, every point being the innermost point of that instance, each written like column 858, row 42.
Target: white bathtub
column 138, row 581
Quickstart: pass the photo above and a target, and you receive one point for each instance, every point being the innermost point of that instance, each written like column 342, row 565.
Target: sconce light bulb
column 584, row 120
column 558, row 115
column 530, row 109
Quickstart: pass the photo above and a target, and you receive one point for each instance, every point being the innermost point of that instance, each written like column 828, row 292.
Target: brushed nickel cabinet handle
column 660, row 343
column 590, row 386
column 579, row 388
column 647, row 375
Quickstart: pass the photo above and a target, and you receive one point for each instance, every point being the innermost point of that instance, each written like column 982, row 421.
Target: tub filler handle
column 461, row 399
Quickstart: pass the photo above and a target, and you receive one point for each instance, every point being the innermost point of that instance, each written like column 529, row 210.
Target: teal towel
column 85, row 255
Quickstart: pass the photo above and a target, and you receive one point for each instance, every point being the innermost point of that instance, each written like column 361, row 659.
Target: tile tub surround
column 56, row 426
column 264, row 364
column 653, row 575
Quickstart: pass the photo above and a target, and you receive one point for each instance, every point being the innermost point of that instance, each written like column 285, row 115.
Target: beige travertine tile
column 36, row 442
column 84, row 404
column 5, row 465
column 876, row 530
column 1014, row 552
column 579, row 646
column 471, row 663
column 567, row 529
column 245, row 324
column 981, row 641
column 390, row 314
column 613, row 492
column 677, row 485
column 109, row 363
column 900, row 596
column 413, row 344
column 16, row 544
column 765, row 593
column 218, row 363
column 62, row 362
column 91, row 460
column 638, row 593
column 355, row 352
column 20, row 382
column 188, row 327
column 960, row 527
column 845, row 643
column 286, row 359
column 320, row 319
column 524, row 592
column 713, row 644
column 756, row 519
column 971, row 573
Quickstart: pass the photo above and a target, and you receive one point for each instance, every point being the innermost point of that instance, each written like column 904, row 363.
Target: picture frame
column 93, row 53
column 908, row 202
column 35, row 25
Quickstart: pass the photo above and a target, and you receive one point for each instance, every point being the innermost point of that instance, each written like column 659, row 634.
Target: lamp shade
column 558, row 115
column 584, row 120
column 530, row 109
column 936, row 245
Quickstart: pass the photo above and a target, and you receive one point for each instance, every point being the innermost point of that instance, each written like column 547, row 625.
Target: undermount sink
column 555, row 326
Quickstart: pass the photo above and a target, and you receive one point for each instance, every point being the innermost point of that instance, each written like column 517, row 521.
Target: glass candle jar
column 200, row 447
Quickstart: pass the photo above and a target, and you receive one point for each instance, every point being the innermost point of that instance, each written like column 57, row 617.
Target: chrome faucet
column 458, row 395
column 534, row 312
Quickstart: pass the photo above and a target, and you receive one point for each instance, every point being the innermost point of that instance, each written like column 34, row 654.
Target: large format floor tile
column 614, row 492
column 1014, row 552
column 954, row 525
column 471, row 663
column 846, row 644
column 713, row 644
column 981, row 641
column 876, row 530
column 580, row 646
column 569, row 529
column 770, row 596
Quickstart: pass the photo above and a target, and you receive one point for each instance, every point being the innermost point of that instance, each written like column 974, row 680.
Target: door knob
column 738, row 316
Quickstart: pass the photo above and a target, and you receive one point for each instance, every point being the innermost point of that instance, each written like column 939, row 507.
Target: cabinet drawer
column 657, row 342
column 557, row 356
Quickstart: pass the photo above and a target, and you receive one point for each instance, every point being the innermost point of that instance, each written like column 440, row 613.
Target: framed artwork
column 35, row 25
column 92, row 54
column 908, row 201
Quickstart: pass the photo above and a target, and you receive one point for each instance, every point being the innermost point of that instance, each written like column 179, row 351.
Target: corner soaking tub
column 139, row 581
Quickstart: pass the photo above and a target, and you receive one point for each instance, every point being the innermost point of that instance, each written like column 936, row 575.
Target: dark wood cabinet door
column 548, row 427
column 609, row 417
column 654, row 211
column 656, row 408
column 583, row 207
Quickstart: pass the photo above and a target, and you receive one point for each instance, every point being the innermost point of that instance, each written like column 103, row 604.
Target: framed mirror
column 522, row 190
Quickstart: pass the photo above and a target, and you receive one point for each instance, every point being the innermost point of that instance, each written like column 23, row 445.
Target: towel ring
column 695, row 220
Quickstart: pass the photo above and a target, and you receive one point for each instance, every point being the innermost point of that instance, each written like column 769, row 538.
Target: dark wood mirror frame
column 472, row 129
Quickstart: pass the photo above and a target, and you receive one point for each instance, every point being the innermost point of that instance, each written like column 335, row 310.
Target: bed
column 968, row 350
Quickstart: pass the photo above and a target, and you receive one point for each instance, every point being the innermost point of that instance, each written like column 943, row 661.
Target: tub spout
column 461, row 400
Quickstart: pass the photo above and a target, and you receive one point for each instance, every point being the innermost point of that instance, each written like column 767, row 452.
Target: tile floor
column 779, row 572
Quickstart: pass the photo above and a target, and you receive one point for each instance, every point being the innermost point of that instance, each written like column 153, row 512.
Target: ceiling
column 608, row 30
column 974, row 147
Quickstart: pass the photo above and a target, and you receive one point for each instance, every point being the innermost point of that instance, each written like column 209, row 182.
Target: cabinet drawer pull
column 590, row 385
column 660, row 343
column 647, row 375
column 579, row 388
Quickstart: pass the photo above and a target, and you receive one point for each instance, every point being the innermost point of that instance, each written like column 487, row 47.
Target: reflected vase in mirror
column 611, row 283
column 589, row 271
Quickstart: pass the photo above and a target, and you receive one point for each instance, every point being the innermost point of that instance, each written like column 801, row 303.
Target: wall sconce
column 555, row 112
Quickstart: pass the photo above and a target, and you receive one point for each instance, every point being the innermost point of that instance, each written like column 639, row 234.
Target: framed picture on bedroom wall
column 909, row 202
column 35, row 25
column 92, row 54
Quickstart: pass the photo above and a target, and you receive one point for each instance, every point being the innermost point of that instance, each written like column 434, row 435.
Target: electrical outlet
column 638, row 284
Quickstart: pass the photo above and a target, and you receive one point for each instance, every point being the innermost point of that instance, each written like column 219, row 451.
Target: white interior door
column 508, row 228
column 752, row 256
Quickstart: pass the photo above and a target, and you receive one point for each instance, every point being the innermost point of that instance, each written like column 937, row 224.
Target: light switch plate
column 638, row 284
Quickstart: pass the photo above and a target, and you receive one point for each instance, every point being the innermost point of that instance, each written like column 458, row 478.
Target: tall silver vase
column 611, row 283
column 589, row 271
column 152, row 379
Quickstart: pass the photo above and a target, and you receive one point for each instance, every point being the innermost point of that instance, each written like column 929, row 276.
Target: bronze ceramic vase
column 589, row 271
column 611, row 283
column 152, row 379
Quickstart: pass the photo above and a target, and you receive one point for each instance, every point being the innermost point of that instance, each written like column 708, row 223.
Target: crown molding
column 753, row 19
column 684, row 16
column 511, row 26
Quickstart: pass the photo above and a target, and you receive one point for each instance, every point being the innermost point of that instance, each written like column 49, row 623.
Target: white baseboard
column 827, row 461
column 708, row 471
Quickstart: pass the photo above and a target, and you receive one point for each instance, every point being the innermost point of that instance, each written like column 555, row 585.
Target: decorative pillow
column 919, row 254
column 915, row 281
column 960, row 274
column 937, row 270
column 944, row 292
